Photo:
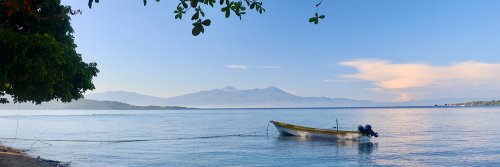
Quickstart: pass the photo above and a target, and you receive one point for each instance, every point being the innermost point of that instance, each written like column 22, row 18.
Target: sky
column 383, row 50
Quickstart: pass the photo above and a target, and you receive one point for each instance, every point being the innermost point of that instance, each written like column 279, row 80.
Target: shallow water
column 408, row 137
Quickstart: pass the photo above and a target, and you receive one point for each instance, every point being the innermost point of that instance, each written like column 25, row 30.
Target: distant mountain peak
column 272, row 88
column 230, row 89
column 275, row 90
column 271, row 96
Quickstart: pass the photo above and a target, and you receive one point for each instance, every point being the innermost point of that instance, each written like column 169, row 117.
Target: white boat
column 307, row 132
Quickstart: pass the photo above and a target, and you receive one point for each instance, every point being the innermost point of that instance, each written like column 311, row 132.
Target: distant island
column 85, row 104
column 478, row 103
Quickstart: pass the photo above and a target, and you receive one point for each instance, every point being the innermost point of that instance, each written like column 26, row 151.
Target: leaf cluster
column 38, row 60
column 316, row 18
column 227, row 7
column 195, row 9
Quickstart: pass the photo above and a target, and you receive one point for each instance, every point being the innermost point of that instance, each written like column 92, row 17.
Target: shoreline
column 17, row 158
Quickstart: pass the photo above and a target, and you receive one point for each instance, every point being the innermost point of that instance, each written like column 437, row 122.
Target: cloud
column 237, row 66
column 416, row 80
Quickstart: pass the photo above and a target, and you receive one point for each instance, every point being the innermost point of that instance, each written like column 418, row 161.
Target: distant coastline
column 374, row 107
column 478, row 103
column 86, row 104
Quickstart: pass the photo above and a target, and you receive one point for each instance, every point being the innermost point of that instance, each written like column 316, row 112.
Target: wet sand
column 16, row 158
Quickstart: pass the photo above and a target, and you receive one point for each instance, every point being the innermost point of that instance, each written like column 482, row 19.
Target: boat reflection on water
column 367, row 147
column 364, row 148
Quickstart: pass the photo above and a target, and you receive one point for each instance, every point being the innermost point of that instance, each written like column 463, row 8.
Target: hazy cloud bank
column 417, row 80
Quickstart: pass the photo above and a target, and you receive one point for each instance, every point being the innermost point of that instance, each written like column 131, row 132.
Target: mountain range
column 270, row 97
column 230, row 97
column 227, row 97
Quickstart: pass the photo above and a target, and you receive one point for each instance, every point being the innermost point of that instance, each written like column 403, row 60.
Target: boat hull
column 306, row 132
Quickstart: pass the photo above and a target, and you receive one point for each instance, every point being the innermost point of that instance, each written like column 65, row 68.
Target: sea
column 419, row 136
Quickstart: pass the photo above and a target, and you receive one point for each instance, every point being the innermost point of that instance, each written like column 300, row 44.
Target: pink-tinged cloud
column 416, row 80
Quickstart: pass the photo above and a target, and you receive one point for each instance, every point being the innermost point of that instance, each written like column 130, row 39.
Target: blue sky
column 382, row 50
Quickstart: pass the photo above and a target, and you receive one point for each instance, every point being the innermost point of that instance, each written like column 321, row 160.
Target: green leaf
column 228, row 13
column 202, row 29
column 184, row 4
column 195, row 16
column 178, row 16
column 316, row 14
column 312, row 19
column 90, row 3
column 322, row 16
column 196, row 31
column 206, row 22
column 194, row 3
column 252, row 5
column 145, row 1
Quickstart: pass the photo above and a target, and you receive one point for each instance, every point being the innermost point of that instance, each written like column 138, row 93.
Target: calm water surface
column 408, row 137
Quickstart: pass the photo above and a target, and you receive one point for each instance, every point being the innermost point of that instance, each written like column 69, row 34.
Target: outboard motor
column 367, row 130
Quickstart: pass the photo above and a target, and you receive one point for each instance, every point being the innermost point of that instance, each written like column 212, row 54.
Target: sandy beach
column 16, row 158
